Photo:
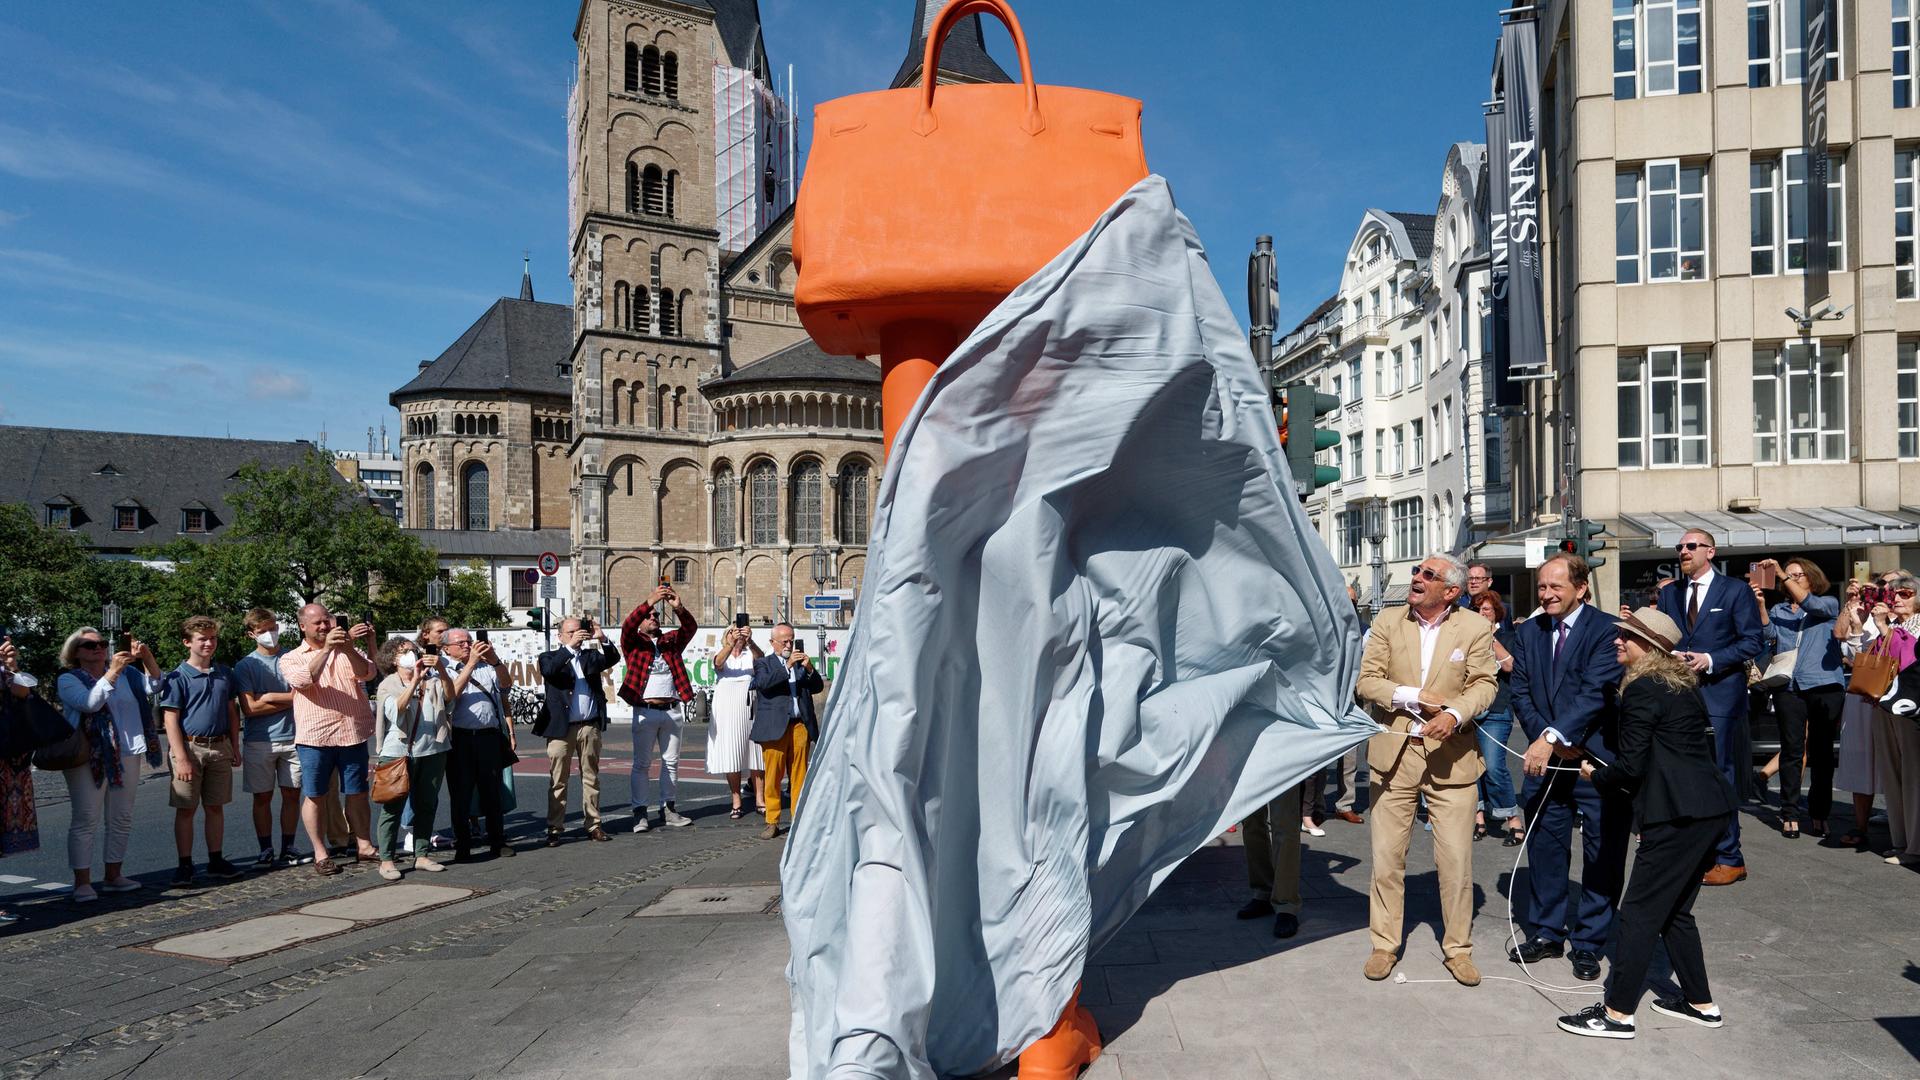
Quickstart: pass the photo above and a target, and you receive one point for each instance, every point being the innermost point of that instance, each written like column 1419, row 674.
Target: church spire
column 526, row 277
column 964, row 57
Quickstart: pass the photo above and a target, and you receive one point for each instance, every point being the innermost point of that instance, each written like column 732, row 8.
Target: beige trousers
column 1392, row 818
column 1272, row 835
column 582, row 740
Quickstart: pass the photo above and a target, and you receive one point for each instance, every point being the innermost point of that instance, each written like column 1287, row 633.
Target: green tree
column 51, row 585
column 470, row 599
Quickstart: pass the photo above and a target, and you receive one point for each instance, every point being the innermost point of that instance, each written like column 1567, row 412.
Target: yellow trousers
column 787, row 755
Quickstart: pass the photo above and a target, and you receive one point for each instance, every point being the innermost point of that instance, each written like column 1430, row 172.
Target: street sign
column 821, row 616
column 549, row 563
column 549, row 588
column 820, row 602
column 530, row 576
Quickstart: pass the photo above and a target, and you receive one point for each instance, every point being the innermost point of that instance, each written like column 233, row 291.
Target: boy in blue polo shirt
column 202, row 716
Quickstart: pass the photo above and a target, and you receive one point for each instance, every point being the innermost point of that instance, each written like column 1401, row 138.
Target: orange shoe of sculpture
column 1060, row 1054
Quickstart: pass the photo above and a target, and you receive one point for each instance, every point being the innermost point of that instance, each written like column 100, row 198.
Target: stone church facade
column 674, row 418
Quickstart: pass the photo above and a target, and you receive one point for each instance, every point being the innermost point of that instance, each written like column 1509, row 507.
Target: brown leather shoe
column 597, row 833
column 769, row 832
column 1379, row 965
column 1463, row 971
column 1350, row 817
column 1722, row 874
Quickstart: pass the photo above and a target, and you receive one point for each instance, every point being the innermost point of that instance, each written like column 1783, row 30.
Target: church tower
column 656, row 81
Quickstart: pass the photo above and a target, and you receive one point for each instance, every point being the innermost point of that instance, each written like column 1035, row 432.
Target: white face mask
column 407, row 661
column 267, row 638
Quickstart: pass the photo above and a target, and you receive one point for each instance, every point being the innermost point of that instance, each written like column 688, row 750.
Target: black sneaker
column 1680, row 1010
column 182, row 878
column 290, row 858
column 1594, row 1021
column 218, row 867
column 264, row 860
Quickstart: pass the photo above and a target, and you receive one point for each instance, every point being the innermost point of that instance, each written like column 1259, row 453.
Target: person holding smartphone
column 784, row 720
column 658, row 689
column 730, row 753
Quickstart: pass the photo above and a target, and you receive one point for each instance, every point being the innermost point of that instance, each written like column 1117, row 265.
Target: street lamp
column 110, row 621
column 437, row 593
column 822, row 562
column 1376, row 530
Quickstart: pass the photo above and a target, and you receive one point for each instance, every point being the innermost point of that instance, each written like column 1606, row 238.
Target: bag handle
column 943, row 25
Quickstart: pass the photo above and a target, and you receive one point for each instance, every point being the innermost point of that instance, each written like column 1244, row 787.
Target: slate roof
column 739, row 25
column 161, row 474
column 800, row 362
column 499, row 543
column 516, row 347
column 1419, row 231
column 964, row 56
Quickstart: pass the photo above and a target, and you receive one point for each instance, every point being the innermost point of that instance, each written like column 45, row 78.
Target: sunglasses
column 92, row 644
column 1428, row 574
column 1690, row 545
column 1903, row 594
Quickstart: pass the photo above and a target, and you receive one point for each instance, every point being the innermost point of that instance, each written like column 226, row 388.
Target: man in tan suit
column 1427, row 673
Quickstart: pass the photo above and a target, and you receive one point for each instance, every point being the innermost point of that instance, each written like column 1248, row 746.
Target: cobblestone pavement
column 1815, row 959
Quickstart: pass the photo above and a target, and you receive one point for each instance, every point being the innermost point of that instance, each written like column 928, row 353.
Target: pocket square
column 1458, row 656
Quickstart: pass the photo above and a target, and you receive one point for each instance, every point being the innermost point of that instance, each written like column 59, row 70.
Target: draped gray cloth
column 1096, row 630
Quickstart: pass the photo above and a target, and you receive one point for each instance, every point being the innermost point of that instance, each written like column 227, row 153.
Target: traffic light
column 1299, row 399
column 1583, row 539
column 536, row 618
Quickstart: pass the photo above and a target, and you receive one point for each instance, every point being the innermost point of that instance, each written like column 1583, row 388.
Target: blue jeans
column 317, row 764
column 1496, row 784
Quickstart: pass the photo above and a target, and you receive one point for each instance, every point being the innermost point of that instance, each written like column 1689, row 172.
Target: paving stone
column 386, row 902
column 251, row 937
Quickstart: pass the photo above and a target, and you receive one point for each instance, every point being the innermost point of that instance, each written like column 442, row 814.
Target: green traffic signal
column 1583, row 539
column 1303, row 407
column 536, row 618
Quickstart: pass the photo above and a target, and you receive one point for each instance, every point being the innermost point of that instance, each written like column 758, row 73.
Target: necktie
column 1693, row 603
column 1559, row 639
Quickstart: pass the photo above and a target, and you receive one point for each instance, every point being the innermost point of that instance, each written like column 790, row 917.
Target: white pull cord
column 1513, row 881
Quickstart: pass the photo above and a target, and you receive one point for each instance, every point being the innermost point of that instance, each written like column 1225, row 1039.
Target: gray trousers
column 1272, row 835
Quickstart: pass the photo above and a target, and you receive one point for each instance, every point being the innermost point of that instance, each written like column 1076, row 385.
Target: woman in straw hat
column 1681, row 802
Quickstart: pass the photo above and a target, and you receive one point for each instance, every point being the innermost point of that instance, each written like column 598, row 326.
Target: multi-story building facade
column 1683, row 391
column 1368, row 346
column 380, row 475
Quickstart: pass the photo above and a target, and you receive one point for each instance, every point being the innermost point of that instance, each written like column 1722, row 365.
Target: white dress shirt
column 582, row 708
column 1552, row 735
column 1408, row 697
column 1704, row 583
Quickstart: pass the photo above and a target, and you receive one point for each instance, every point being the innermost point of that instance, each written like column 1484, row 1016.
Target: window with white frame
column 1399, row 458
column 1657, row 48
column 1380, row 451
column 1352, row 536
column 1662, row 397
column 1906, row 26
column 1419, row 444
column 1409, row 529
column 1399, row 378
column 1417, row 363
column 1660, row 223
column 1333, row 385
column 1445, row 426
column 1907, row 399
column 1356, row 457
column 1905, row 164
column 1336, row 456
column 1800, row 402
column 1379, row 374
column 1355, row 385
column 1777, row 41
column 1439, row 433
column 1777, row 194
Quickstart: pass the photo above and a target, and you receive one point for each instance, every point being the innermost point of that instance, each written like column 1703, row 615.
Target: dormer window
column 107, row 470
column 196, row 519
column 60, row 515
column 126, row 519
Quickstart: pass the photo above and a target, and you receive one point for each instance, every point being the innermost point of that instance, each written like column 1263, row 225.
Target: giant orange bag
column 917, row 216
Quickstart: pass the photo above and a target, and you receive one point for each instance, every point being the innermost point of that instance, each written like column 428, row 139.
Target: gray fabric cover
column 1097, row 629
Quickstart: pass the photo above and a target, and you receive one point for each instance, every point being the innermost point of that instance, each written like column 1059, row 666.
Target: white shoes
column 675, row 818
column 84, row 894
column 1307, row 826
column 640, row 822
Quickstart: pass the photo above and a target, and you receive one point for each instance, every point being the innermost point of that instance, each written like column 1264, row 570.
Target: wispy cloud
column 265, row 385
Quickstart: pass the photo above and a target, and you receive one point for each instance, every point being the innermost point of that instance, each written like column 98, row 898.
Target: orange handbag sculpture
column 917, row 216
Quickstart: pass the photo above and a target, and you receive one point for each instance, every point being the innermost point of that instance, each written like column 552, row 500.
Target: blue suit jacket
column 774, row 692
column 1577, row 698
column 1729, row 631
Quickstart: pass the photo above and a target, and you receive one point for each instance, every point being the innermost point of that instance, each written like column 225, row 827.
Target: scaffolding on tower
column 754, row 166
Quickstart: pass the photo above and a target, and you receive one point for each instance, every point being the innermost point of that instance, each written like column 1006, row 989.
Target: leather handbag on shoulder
column 1780, row 669
column 392, row 780
column 1874, row 669
column 932, row 204
column 70, row 751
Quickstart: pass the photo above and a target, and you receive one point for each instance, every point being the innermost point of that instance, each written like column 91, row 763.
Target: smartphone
column 430, row 649
column 741, row 620
column 1862, row 570
column 480, row 636
column 1763, row 575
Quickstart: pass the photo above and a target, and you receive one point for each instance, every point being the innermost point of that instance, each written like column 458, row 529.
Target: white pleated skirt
column 728, row 748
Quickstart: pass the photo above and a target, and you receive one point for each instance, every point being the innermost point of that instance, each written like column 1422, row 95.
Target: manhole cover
column 713, row 900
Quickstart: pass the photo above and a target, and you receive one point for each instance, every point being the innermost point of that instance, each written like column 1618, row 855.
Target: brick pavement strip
column 89, row 1035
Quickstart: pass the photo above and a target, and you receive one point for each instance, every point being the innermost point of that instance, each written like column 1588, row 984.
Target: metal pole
column 1262, row 298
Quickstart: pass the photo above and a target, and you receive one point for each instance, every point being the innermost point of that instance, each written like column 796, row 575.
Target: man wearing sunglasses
column 1719, row 632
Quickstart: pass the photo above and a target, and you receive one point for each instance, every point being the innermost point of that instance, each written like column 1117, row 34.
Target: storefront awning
column 1784, row 531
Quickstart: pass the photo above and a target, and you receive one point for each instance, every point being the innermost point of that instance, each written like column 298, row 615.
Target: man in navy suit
column 1565, row 679
column 1719, row 632
column 784, row 721
column 576, row 717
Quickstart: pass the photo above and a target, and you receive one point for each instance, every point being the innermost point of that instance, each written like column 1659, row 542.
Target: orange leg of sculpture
column 1060, row 1054
column 909, row 353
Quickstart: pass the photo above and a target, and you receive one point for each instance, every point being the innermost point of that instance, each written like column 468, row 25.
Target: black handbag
column 33, row 725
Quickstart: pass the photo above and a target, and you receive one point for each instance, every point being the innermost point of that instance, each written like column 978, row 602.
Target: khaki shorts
column 268, row 765
column 212, row 781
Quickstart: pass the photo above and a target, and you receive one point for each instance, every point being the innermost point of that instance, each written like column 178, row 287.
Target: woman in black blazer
column 1681, row 803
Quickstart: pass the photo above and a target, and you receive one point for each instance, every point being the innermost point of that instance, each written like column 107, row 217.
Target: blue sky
column 257, row 217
